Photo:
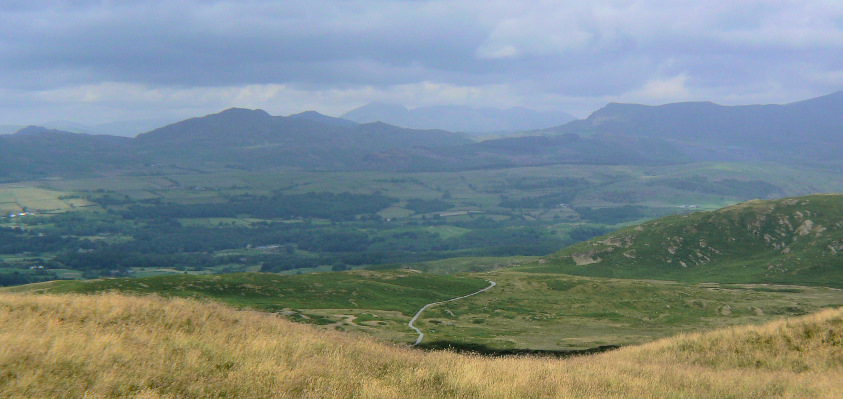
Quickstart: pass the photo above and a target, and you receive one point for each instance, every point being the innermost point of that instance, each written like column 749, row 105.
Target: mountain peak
column 31, row 130
column 244, row 112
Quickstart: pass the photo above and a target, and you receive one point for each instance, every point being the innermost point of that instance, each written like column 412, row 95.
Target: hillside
column 253, row 139
column 116, row 346
column 399, row 290
column 523, row 313
column 790, row 241
column 36, row 151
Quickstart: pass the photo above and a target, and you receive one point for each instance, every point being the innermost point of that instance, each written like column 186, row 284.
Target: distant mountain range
column 123, row 128
column 806, row 133
column 810, row 130
column 235, row 138
column 458, row 118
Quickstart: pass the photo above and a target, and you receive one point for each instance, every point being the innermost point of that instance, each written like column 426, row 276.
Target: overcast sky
column 102, row 61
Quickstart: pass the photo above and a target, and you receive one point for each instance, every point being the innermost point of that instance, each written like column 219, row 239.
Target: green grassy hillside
column 790, row 241
column 112, row 345
column 404, row 291
column 524, row 311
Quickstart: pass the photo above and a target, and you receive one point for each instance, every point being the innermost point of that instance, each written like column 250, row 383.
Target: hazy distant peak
column 833, row 99
column 619, row 106
column 67, row 126
column 244, row 112
column 380, row 124
column 688, row 109
column 323, row 119
column 837, row 95
column 307, row 114
column 377, row 105
column 378, row 111
column 33, row 130
column 458, row 118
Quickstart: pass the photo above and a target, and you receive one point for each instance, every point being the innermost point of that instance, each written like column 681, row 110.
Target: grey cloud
column 541, row 49
column 217, row 45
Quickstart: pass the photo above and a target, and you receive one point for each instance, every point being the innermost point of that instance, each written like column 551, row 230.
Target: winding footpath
column 413, row 320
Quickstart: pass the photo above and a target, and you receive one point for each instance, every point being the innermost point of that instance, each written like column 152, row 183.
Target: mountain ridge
column 803, row 133
column 254, row 139
column 806, row 130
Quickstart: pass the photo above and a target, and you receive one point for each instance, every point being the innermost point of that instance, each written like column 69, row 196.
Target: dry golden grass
column 121, row 346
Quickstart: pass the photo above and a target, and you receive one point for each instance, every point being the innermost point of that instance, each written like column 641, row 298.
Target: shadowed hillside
column 253, row 139
column 36, row 152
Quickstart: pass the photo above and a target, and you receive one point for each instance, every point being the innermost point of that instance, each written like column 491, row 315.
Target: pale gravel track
column 413, row 320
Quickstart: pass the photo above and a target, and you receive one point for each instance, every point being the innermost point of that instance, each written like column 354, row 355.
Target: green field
column 15, row 198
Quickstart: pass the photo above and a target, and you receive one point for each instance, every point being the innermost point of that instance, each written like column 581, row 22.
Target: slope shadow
column 483, row 350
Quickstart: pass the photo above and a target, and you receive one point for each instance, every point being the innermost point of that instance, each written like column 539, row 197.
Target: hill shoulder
column 789, row 241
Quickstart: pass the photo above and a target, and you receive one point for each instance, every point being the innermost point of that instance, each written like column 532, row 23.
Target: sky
column 96, row 62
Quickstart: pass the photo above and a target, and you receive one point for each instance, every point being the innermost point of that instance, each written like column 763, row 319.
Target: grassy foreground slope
column 557, row 312
column 789, row 241
column 399, row 290
column 379, row 303
column 525, row 311
column 116, row 346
